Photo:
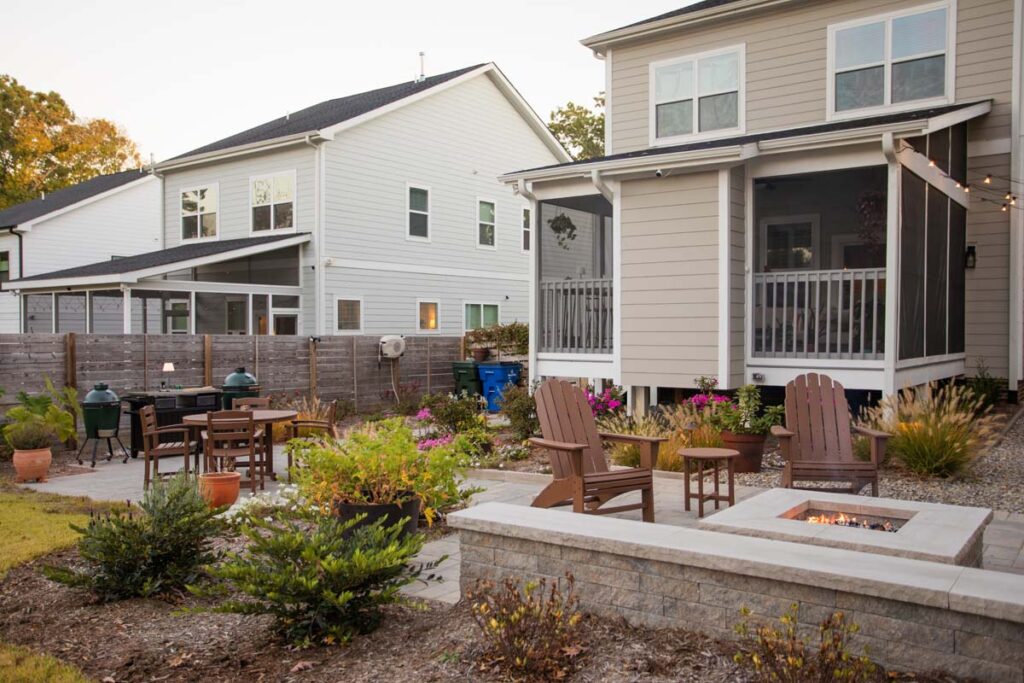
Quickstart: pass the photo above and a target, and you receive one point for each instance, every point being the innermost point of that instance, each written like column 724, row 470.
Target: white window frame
column 741, row 95
column 465, row 319
column 199, row 231
column 362, row 314
column 762, row 252
column 477, row 222
column 527, row 227
column 295, row 203
column 416, row 321
column 408, row 210
column 887, row 106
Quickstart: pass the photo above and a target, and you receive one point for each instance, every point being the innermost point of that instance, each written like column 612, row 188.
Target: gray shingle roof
column 152, row 259
column 328, row 113
column 28, row 211
column 695, row 7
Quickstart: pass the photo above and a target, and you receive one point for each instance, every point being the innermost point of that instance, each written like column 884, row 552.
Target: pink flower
column 424, row 414
column 427, row 444
column 613, row 404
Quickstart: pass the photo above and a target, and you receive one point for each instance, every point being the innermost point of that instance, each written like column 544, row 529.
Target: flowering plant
column 611, row 400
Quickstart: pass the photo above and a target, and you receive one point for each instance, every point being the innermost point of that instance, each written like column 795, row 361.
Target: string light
column 931, row 163
column 1007, row 197
column 988, row 179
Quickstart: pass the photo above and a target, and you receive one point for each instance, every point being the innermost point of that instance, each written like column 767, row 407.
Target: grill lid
column 239, row 379
column 100, row 394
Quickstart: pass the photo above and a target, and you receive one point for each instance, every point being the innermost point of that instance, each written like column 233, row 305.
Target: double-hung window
column 526, row 229
column 199, row 212
column 5, row 266
column 896, row 60
column 272, row 199
column 485, row 224
column 418, row 202
column 697, row 95
column 481, row 315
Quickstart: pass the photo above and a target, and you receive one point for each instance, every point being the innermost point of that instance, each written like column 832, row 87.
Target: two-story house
column 376, row 213
column 791, row 186
column 107, row 217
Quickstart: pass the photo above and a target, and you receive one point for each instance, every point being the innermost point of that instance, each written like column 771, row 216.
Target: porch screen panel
column 37, row 312
column 957, row 281
column 938, row 148
column 936, row 272
column 912, row 262
column 71, row 312
column 106, row 312
column 958, row 152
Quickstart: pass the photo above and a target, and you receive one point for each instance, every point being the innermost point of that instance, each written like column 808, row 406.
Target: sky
column 179, row 74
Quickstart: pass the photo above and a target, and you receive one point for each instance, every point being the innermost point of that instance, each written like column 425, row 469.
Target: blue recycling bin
column 495, row 377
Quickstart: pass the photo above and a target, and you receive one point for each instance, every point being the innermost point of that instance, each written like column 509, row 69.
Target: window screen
column 911, row 313
column 936, row 264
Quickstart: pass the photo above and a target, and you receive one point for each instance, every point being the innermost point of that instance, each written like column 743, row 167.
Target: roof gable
column 26, row 212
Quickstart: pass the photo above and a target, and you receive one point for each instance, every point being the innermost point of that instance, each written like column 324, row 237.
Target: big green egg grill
column 101, row 418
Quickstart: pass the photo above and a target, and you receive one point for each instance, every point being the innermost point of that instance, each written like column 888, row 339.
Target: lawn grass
column 21, row 665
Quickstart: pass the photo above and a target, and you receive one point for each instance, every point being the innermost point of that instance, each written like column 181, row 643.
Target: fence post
column 429, row 390
column 70, row 361
column 207, row 360
column 312, row 369
column 355, row 376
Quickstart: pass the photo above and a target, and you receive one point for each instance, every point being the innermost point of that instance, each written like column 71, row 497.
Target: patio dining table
column 264, row 417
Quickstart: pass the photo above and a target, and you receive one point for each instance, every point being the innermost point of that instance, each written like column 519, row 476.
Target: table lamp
column 168, row 368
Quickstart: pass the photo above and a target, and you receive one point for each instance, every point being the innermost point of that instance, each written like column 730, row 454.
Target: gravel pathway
column 995, row 481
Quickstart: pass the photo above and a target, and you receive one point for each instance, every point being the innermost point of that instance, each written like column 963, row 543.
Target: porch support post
column 723, row 278
column 126, row 309
column 1016, row 340
column 525, row 191
column 639, row 400
column 892, row 264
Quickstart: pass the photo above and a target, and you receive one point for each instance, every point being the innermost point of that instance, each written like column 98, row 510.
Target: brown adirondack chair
column 582, row 477
column 817, row 441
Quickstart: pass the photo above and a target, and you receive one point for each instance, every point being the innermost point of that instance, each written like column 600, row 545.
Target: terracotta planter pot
column 219, row 488
column 32, row 464
column 750, row 447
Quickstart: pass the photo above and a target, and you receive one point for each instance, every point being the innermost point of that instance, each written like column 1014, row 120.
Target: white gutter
column 319, row 280
column 602, row 187
column 237, row 150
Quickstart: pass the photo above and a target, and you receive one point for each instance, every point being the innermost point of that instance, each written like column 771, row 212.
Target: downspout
column 319, row 281
column 525, row 189
column 607, row 192
column 1016, row 284
column 892, row 275
column 602, row 187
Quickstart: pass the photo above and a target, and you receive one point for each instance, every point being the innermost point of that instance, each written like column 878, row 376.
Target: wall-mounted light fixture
column 971, row 257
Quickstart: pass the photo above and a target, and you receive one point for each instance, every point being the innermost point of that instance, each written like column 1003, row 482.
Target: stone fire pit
column 925, row 531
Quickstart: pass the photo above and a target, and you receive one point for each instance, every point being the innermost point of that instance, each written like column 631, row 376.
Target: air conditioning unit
column 392, row 346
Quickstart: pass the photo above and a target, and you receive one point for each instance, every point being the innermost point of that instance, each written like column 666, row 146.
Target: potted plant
column 31, row 442
column 219, row 488
column 745, row 426
column 376, row 472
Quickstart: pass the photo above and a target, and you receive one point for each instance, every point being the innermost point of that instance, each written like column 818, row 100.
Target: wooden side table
column 700, row 462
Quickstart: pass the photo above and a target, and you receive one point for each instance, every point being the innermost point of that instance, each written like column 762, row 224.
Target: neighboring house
column 791, row 186
column 104, row 218
column 377, row 213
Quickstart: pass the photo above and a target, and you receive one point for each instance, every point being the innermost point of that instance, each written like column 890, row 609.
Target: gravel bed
column 996, row 479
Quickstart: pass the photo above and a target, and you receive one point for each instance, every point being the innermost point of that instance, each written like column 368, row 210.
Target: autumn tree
column 579, row 129
column 44, row 146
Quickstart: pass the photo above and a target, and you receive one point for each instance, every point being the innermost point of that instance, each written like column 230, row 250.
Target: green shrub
column 27, row 436
column 519, row 406
column 531, row 632
column 322, row 580
column 451, row 413
column 512, row 338
column 157, row 549
column 782, row 656
column 987, row 388
column 746, row 415
column 936, row 431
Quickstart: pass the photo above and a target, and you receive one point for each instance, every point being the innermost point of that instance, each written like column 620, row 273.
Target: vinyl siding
column 124, row 223
column 232, row 177
column 786, row 64
column 669, row 279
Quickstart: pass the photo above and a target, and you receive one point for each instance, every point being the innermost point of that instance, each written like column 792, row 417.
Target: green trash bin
column 466, row 377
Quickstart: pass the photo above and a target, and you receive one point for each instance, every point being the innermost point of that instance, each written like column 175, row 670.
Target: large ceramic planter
column 219, row 488
column 32, row 464
column 750, row 447
column 391, row 513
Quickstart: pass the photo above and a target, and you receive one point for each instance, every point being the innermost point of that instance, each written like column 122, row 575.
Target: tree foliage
column 44, row 146
column 580, row 129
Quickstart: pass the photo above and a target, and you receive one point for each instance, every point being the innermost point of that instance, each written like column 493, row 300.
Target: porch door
column 286, row 323
column 790, row 242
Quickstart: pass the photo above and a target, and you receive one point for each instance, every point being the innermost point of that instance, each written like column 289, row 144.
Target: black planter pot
column 392, row 514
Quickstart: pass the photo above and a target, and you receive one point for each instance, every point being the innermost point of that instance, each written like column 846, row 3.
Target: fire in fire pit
column 858, row 521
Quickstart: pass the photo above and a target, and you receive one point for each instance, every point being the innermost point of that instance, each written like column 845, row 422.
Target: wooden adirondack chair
column 817, row 441
column 582, row 477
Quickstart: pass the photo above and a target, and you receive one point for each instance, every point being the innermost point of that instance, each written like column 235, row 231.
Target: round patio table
column 698, row 462
column 261, row 416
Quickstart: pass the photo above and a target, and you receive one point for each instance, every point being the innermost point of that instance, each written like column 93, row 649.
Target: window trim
column 295, row 204
column 526, row 227
column 741, row 104
column 7, row 254
column 436, row 300
column 468, row 302
column 888, row 106
column 362, row 314
column 181, row 229
column 477, row 222
column 408, row 210
column 762, row 253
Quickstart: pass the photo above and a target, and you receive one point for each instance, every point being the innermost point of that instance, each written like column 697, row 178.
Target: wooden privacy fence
column 334, row 367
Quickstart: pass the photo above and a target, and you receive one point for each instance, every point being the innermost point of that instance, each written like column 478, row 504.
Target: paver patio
column 1003, row 540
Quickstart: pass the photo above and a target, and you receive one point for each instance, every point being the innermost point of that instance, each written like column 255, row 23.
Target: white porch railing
column 575, row 316
column 819, row 314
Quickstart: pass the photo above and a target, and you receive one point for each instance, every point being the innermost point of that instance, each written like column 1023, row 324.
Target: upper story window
column 350, row 314
column 697, row 95
column 272, row 200
column 199, row 212
column 527, row 225
column 896, row 60
column 5, row 266
column 485, row 224
column 481, row 315
column 419, row 213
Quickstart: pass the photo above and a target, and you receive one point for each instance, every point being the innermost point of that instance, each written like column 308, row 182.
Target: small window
column 199, row 213
column 481, row 315
column 526, row 229
column 350, row 315
column 698, row 94
column 273, row 202
column 428, row 316
column 5, row 266
column 890, row 60
column 485, row 224
column 285, row 301
column 419, row 213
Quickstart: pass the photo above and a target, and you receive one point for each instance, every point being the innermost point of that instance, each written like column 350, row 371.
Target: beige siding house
column 791, row 185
